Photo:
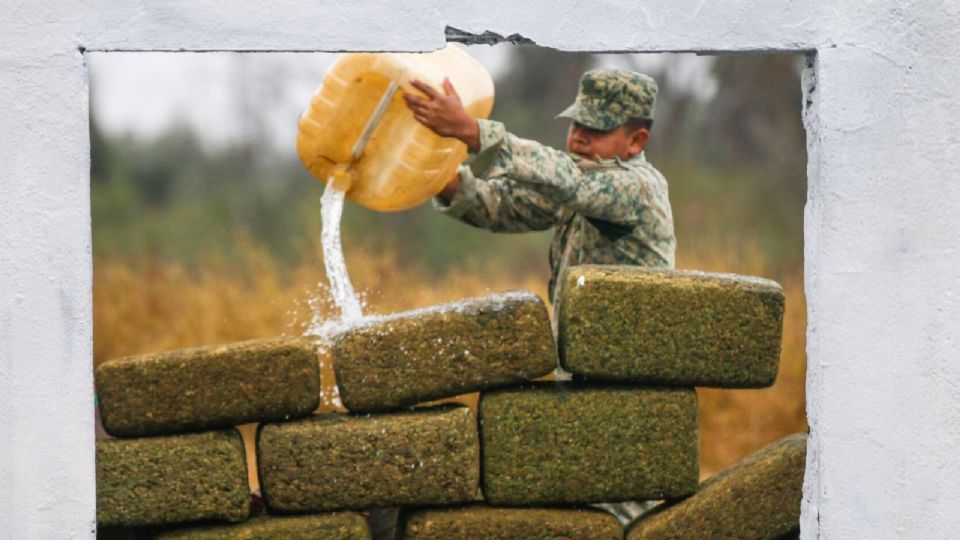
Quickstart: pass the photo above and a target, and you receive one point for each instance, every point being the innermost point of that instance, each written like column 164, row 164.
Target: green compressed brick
column 552, row 443
column 172, row 479
column 341, row 461
column 127, row 533
column 511, row 524
column 334, row 526
column 208, row 387
column 758, row 498
column 444, row 351
column 679, row 328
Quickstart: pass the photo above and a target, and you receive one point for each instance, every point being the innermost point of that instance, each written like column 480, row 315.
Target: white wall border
column 882, row 221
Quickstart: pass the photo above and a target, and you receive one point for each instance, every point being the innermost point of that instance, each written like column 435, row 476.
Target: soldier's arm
column 497, row 204
column 608, row 194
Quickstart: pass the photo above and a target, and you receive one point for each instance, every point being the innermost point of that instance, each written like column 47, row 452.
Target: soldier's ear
column 637, row 140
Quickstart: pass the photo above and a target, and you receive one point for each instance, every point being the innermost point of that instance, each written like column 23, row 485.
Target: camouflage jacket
column 606, row 212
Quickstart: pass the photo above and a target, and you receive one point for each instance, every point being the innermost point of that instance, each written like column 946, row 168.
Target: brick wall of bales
column 531, row 458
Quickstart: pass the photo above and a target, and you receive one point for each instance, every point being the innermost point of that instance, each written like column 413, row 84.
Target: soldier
column 608, row 204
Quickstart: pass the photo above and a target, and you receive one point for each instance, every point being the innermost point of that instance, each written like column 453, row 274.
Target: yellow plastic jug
column 359, row 132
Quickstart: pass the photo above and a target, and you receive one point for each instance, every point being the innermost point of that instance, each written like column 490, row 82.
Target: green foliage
column 736, row 209
column 541, row 82
column 173, row 198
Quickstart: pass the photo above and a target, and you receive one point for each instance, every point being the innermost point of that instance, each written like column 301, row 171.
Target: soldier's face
column 592, row 143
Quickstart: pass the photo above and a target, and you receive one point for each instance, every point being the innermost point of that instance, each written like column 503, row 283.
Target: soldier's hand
column 443, row 114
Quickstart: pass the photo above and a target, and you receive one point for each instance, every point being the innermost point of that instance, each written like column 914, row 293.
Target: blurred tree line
column 735, row 162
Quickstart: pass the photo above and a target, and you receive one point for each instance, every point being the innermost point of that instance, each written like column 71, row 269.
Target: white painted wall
column 882, row 228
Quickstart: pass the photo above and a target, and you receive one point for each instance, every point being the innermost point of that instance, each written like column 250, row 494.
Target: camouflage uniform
column 605, row 212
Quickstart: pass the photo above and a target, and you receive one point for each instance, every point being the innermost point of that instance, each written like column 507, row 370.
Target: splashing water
column 331, row 211
column 322, row 328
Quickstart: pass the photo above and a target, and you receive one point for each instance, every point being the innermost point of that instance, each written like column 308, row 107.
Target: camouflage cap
column 609, row 97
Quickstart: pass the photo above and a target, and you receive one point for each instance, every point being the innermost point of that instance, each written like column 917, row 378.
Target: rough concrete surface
column 340, row 461
column 208, row 387
column 172, row 479
column 452, row 349
column 756, row 499
column 491, row 523
column 553, row 443
column 879, row 229
column 680, row 328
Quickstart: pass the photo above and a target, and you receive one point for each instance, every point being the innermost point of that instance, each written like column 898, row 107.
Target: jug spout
column 341, row 177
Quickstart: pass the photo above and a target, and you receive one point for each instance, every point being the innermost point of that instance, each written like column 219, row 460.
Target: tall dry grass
column 147, row 305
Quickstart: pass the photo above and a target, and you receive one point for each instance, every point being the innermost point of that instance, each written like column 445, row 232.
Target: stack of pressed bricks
column 528, row 462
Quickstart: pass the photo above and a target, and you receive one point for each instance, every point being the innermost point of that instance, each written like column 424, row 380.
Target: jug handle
column 374, row 121
column 341, row 177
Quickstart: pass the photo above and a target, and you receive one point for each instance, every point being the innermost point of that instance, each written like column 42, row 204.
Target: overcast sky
column 146, row 93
